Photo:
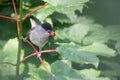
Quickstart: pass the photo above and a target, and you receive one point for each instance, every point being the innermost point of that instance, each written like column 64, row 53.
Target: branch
column 29, row 14
column 45, row 51
column 29, row 44
column 15, row 10
column 34, row 54
column 12, row 19
column 40, row 58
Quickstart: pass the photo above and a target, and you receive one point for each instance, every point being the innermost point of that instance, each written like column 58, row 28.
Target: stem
column 19, row 27
column 19, row 52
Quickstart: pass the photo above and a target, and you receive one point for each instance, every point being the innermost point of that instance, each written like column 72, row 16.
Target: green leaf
column 44, row 12
column 100, row 36
column 73, row 54
column 65, row 7
column 60, row 70
column 38, row 74
column 74, row 33
column 92, row 74
column 66, row 2
column 99, row 49
column 103, row 35
column 9, row 54
column 77, row 32
column 62, row 17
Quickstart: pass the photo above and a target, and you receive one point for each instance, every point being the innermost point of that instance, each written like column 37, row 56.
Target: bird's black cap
column 47, row 26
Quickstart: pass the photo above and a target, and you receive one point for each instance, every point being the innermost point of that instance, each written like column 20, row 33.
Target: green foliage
column 65, row 72
column 94, row 48
column 73, row 54
column 92, row 74
column 104, row 34
column 8, row 54
column 77, row 30
column 99, row 49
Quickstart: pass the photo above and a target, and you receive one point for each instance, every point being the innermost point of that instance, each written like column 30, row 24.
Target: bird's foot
column 25, row 39
column 39, row 55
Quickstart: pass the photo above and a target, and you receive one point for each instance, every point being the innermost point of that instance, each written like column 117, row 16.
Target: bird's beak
column 52, row 33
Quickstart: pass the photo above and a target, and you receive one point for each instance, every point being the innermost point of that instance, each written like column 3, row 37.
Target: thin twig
column 40, row 58
column 37, row 53
column 25, row 58
column 34, row 54
column 30, row 13
column 29, row 44
column 15, row 10
column 45, row 51
column 8, row 63
column 12, row 19
column 16, row 14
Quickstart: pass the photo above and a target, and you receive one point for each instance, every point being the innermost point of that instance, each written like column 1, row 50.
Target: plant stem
column 20, row 42
column 19, row 52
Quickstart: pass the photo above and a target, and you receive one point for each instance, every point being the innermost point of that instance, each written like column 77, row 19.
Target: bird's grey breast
column 38, row 36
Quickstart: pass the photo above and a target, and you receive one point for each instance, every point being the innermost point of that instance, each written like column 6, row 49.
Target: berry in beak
column 52, row 33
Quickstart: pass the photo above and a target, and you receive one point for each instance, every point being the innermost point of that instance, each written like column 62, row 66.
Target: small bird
column 39, row 34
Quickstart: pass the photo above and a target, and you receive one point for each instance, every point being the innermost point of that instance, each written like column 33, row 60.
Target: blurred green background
column 105, row 12
column 87, row 41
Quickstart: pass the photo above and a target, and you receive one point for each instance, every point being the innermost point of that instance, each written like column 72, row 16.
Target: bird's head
column 47, row 26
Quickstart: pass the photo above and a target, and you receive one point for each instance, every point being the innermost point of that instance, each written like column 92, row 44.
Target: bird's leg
column 38, row 55
column 24, row 39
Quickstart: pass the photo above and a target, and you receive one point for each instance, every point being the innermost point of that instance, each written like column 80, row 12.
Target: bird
column 39, row 34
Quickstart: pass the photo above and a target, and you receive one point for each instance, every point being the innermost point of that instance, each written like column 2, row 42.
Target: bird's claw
column 38, row 55
column 25, row 39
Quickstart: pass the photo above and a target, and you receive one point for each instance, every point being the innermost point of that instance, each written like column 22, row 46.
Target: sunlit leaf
column 103, row 35
column 9, row 54
column 92, row 74
column 77, row 32
column 66, row 2
column 73, row 54
column 65, row 7
column 74, row 33
column 44, row 13
column 99, row 49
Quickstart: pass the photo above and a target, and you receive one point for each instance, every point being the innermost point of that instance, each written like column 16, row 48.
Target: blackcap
column 39, row 34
